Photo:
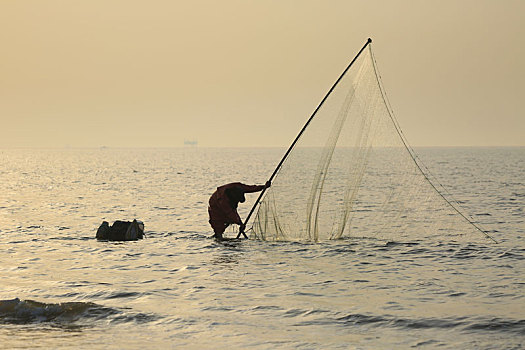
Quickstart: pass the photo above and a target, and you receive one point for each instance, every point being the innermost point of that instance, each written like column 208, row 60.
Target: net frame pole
column 369, row 41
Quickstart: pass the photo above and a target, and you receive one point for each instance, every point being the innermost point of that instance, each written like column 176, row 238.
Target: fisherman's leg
column 218, row 228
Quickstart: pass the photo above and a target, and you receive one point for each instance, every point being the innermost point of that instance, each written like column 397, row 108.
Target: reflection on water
column 178, row 288
column 227, row 259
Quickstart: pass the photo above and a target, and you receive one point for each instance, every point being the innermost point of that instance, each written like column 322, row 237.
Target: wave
column 16, row 311
column 464, row 323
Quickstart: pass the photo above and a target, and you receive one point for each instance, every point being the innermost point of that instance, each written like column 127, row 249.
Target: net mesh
column 352, row 174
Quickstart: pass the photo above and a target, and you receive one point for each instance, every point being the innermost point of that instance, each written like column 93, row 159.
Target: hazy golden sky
column 249, row 73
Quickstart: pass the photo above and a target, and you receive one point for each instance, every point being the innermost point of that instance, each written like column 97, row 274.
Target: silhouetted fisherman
column 223, row 205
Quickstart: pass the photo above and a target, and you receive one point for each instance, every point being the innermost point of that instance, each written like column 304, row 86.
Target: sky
column 125, row 73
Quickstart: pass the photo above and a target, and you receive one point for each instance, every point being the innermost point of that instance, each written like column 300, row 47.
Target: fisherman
column 223, row 205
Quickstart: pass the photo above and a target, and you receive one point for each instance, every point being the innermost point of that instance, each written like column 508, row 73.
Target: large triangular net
column 352, row 174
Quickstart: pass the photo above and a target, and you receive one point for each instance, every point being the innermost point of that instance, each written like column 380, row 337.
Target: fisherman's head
column 236, row 194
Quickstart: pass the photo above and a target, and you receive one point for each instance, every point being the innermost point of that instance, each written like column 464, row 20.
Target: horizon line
column 203, row 147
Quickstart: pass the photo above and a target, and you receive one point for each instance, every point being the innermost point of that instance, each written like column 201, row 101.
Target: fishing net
column 352, row 174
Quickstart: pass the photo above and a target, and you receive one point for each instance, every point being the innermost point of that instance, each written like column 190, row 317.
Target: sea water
column 177, row 288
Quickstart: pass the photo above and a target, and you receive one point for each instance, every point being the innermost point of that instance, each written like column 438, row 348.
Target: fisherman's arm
column 254, row 188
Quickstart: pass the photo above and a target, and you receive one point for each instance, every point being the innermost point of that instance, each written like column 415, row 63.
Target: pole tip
column 369, row 40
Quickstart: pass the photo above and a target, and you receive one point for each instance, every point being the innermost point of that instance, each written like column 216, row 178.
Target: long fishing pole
column 300, row 133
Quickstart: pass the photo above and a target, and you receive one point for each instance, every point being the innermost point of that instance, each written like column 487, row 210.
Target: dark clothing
column 223, row 205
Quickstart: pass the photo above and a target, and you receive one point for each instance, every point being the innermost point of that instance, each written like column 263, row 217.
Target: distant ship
column 190, row 142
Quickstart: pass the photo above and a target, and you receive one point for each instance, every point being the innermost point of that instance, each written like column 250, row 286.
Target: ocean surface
column 61, row 288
